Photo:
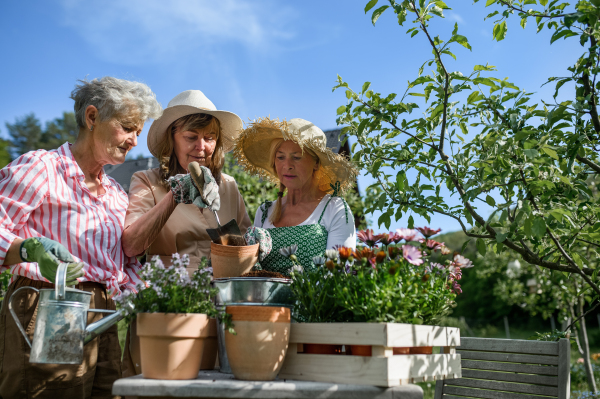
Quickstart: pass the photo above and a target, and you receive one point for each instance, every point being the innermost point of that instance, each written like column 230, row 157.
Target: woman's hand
column 185, row 191
column 48, row 253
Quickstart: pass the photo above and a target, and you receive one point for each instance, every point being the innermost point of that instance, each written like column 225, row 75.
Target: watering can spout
column 98, row 327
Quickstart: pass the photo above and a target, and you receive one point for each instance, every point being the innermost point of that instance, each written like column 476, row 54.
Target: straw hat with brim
column 253, row 144
column 193, row 102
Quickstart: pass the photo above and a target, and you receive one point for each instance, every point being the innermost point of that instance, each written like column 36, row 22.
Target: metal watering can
column 60, row 329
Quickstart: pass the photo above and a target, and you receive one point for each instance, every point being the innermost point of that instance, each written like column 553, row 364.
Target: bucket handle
column 14, row 315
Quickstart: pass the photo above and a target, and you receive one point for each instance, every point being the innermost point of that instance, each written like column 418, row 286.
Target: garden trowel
column 229, row 233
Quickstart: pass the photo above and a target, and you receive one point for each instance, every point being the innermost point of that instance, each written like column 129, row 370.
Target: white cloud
column 454, row 17
column 141, row 31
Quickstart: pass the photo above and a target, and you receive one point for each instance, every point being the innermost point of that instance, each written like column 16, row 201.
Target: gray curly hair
column 113, row 97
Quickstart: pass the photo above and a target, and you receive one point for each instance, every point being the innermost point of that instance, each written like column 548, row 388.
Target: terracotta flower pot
column 230, row 261
column 258, row 349
column 400, row 350
column 176, row 346
column 421, row 350
column 361, row 350
column 322, row 349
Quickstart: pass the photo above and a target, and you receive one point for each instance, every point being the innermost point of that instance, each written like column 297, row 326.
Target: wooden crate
column 383, row 368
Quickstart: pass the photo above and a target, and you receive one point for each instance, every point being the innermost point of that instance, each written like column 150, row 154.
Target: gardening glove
column 48, row 253
column 185, row 191
column 262, row 237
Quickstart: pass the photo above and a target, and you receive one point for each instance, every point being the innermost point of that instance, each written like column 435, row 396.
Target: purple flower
column 437, row 266
column 412, row 255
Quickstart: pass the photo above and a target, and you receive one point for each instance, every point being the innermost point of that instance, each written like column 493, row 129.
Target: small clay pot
column 232, row 261
column 257, row 351
column 399, row 350
column 176, row 346
column 421, row 350
column 322, row 349
column 361, row 350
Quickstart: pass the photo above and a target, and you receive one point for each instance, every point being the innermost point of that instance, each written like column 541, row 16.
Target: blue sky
column 255, row 58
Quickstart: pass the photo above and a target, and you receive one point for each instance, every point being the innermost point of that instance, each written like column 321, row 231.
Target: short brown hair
column 169, row 164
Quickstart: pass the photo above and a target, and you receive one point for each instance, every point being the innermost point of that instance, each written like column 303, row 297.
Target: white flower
column 331, row 254
column 319, row 260
column 462, row 262
column 297, row 269
column 289, row 251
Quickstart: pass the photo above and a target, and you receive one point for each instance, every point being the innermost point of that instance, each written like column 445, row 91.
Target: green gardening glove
column 48, row 253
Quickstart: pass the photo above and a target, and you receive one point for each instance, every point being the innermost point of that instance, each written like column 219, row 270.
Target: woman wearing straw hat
column 311, row 214
column 165, row 207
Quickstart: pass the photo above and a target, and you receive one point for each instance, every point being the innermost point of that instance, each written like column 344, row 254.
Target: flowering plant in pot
column 399, row 277
column 175, row 316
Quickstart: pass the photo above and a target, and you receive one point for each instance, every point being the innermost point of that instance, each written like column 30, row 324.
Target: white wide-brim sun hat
column 194, row 102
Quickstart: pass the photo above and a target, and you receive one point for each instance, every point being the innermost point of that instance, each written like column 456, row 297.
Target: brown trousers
column 20, row 379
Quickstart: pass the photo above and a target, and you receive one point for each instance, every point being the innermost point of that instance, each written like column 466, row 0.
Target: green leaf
column 500, row 31
column 365, row 87
column 481, row 247
column 411, row 222
column 550, row 152
column 523, row 22
column 577, row 259
column 370, row 5
column 341, row 110
column 377, row 13
column 538, row 227
column 490, row 201
column 462, row 40
column 400, row 181
column 501, row 237
column 531, row 153
column 435, row 10
column 527, row 227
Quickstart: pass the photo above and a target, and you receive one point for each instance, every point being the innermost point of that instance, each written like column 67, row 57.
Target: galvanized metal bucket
column 60, row 328
column 251, row 291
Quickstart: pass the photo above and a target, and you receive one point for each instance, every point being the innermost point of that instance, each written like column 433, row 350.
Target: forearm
column 13, row 256
column 141, row 233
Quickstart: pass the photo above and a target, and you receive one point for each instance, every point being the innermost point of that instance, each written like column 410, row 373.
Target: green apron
column 311, row 240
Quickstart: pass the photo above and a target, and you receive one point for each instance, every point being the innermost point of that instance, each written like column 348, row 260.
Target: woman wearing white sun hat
column 164, row 214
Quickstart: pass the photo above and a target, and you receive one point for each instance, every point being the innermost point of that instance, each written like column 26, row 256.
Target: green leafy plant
column 387, row 283
column 171, row 290
column 485, row 141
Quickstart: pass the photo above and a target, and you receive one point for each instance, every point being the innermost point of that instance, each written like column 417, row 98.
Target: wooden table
column 213, row 384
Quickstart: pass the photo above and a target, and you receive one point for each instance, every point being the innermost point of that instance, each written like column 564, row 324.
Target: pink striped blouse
column 43, row 193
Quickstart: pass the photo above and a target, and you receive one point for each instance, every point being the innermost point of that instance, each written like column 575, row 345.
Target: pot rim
column 265, row 279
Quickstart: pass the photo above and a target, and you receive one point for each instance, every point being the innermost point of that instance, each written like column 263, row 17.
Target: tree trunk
column 586, row 350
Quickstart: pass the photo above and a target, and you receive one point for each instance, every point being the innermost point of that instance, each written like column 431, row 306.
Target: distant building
column 122, row 173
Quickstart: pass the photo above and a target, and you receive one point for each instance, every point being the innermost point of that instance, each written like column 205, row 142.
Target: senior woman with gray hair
column 59, row 205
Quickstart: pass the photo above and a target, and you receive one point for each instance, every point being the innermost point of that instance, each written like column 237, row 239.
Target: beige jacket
column 185, row 231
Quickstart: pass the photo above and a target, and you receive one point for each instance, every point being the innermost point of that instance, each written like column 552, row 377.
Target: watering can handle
column 14, row 315
column 61, row 281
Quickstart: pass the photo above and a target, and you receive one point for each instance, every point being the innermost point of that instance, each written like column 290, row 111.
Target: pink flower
column 368, row 237
column 462, row 262
column 456, row 287
column 412, row 255
column 406, row 234
column 432, row 244
column 427, row 232
column 396, row 238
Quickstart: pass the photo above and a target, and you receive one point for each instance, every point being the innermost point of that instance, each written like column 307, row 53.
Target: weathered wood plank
column 480, row 393
column 511, row 377
column 504, row 386
column 512, row 346
column 382, row 334
column 511, row 367
column 439, row 389
column 380, row 371
column 508, row 357
column 564, row 368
